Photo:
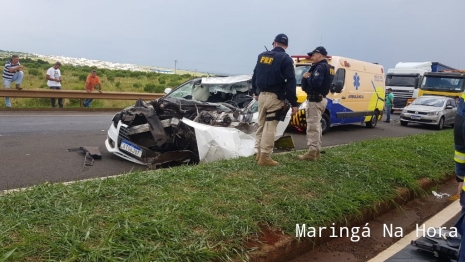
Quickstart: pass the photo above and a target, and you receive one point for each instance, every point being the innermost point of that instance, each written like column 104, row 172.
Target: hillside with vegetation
column 74, row 78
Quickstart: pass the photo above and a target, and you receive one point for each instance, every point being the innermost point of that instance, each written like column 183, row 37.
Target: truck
column 450, row 83
column 406, row 78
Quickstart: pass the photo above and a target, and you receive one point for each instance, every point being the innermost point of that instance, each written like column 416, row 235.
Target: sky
column 226, row 36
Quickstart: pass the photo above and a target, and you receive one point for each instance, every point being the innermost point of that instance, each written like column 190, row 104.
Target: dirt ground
column 407, row 217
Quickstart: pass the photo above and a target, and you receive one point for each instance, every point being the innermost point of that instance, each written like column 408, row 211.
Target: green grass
column 74, row 78
column 206, row 212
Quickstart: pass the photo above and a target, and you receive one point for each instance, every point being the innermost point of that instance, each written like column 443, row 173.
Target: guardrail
column 34, row 93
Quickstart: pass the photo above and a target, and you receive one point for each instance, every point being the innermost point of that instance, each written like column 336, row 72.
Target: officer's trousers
column 313, row 114
column 267, row 102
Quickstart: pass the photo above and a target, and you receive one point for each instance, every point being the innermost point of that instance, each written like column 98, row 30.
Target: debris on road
column 91, row 153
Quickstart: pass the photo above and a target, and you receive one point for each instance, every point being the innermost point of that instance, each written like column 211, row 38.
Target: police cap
column 282, row 38
column 320, row 50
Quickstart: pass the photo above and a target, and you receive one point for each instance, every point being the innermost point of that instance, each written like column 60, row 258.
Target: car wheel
column 374, row 120
column 403, row 123
column 441, row 124
column 325, row 123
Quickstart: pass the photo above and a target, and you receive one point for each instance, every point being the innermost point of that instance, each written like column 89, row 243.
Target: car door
column 448, row 112
column 453, row 111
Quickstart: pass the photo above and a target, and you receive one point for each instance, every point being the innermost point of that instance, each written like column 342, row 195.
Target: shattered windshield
column 210, row 92
column 400, row 80
column 451, row 84
column 184, row 91
column 299, row 72
column 434, row 102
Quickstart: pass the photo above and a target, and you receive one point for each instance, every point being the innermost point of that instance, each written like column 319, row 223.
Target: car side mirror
column 168, row 90
column 449, row 107
column 337, row 87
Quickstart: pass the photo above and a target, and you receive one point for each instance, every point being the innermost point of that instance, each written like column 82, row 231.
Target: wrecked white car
column 202, row 120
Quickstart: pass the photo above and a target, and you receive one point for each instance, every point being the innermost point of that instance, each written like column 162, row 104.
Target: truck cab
column 450, row 83
column 406, row 79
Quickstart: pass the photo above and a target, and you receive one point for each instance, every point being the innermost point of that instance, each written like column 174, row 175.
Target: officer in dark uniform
column 316, row 83
column 273, row 82
column 459, row 159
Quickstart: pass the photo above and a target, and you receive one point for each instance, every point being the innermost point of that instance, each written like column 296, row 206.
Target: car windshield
column 450, row 84
column 434, row 102
column 183, row 91
column 299, row 72
column 400, row 80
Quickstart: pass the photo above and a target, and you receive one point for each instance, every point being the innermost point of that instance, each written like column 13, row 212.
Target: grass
column 206, row 212
column 74, row 78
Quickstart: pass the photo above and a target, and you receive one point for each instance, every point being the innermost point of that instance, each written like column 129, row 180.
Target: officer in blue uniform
column 273, row 82
column 459, row 159
column 316, row 83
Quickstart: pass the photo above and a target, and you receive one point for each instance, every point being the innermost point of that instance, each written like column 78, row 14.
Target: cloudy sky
column 225, row 36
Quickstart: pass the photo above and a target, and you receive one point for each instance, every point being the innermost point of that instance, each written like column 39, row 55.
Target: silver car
column 430, row 110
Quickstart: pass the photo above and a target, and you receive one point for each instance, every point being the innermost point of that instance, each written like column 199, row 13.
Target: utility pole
column 175, row 62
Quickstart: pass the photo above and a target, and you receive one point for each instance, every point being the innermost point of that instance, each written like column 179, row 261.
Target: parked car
column 202, row 120
column 430, row 110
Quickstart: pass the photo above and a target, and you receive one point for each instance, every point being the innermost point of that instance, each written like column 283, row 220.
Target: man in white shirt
column 54, row 81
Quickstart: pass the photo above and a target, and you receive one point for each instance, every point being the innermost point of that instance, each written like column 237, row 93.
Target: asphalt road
column 35, row 145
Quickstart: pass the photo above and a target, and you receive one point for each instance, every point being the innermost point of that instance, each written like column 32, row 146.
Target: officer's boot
column 311, row 155
column 265, row 160
column 258, row 155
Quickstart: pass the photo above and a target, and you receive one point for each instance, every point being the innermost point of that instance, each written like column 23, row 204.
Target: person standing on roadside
column 91, row 81
column 13, row 72
column 54, row 81
column 459, row 160
column 273, row 81
column 389, row 104
column 317, row 84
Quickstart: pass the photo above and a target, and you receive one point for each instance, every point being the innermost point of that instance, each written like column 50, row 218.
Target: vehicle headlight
column 434, row 113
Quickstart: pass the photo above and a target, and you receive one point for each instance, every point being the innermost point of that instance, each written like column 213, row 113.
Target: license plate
column 128, row 147
column 415, row 117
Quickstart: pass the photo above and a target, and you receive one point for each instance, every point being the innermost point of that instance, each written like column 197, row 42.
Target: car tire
column 325, row 123
column 403, row 123
column 374, row 120
column 440, row 124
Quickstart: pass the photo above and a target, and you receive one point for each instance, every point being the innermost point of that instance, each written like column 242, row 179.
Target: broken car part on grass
column 202, row 120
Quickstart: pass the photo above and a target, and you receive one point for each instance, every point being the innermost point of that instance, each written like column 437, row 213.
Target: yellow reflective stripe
column 463, row 188
column 457, row 153
column 463, row 96
column 459, row 157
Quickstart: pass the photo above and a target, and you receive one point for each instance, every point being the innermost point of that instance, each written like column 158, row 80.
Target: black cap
column 282, row 38
column 320, row 50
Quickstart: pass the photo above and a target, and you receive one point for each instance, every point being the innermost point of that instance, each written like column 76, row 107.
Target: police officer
column 316, row 83
column 459, row 159
column 273, row 82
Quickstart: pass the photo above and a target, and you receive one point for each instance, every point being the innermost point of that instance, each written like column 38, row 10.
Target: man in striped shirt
column 13, row 72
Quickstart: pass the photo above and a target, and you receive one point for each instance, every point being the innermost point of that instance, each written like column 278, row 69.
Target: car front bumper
column 113, row 142
column 420, row 119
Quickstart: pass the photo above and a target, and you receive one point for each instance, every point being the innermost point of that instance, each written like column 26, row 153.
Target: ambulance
column 361, row 99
